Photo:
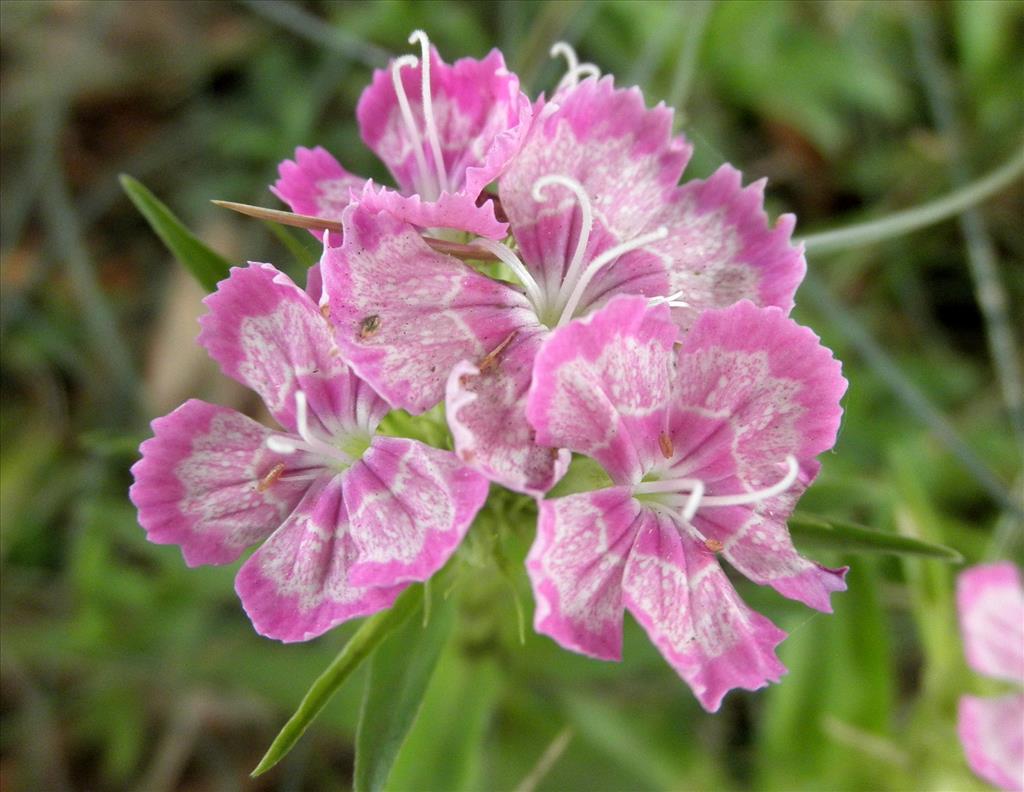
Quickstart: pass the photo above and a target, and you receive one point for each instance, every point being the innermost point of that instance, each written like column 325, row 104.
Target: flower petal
column 991, row 606
column 200, row 485
column 486, row 408
column 404, row 314
column 296, row 586
column 482, row 119
column 268, row 334
column 575, row 566
column 409, row 507
column 621, row 152
column 758, row 544
column 752, row 387
column 316, row 184
column 679, row 594
column 601, row 386
column 720, row 248
column 992, row 733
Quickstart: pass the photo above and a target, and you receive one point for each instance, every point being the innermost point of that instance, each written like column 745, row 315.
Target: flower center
column 557, row 301
column 574, row 70
column 682, row 497
column 431, row 183
column 337, row 452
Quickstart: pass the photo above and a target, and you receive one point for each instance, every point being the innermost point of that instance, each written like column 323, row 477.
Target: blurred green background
column 122, row 669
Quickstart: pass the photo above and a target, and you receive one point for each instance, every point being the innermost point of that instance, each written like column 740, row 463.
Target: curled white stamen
column 574, row 70
column 758, row 495
column 428, row 108
column 671, row 300
column 595, row 266
column 684, row 489
column 309, row 442
column 574, row 76
column 410, row 122
column 564, row 48
column 504, row 253
column 586, row 221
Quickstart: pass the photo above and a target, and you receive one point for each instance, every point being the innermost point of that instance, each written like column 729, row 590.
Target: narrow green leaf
column 207, row 266
column 809, row 530
column 400, row 672
column 368, row 637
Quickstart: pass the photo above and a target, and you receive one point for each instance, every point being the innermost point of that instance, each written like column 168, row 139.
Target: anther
column 490, row 360
column 671, row 300
column 268, row 480
column 665, row 444
column 713, row 545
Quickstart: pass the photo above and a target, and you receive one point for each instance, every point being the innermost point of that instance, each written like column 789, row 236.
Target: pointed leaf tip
column 206, row 265
column 810, row 530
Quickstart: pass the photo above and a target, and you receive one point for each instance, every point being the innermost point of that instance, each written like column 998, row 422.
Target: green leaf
column 207, row 266
column 400, row 672
column 809, row 530
column 584, row 475
column 367, row 638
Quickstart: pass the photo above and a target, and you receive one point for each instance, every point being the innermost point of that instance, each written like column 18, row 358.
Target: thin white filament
column 586, row 220
column 564, row 48
column 505, row 254
column 595, row 266
column 573, row 77
column 573, row 68
column 410, row 122
column 283, row 444
column 671, row 300
column 759, row 495
column 686, row 485
column 428, row 108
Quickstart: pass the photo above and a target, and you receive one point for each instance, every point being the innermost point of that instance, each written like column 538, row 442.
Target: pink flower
column 347, row 518
column 708, row 445
column 595, row 211
column 445, row 132
column 991, row 605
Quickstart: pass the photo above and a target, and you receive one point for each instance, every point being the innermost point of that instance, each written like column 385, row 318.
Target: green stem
column 899, row 223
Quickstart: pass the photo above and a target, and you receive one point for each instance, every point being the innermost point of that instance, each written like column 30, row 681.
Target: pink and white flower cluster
column 602, row 309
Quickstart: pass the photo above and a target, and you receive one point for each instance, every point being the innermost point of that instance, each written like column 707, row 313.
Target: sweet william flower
column 595, row 210
column 708, row 446
column 990, row 602
column 347, row 518
column 444, row 131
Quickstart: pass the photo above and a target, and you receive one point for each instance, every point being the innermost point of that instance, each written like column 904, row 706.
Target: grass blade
column 207, row 266
column 809, row 530
column 367, row 638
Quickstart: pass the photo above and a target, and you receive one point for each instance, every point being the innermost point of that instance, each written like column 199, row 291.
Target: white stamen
column 586, row 221
column 672, row 301
column 693, row 502
column 758, row 495
column 428, row 108
column 574, row 76
column 684, row 491
column 564, row 48
column 309, row 442
column 410, row 122
column 595, row 266
column 573, row 68
column 533, row 290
